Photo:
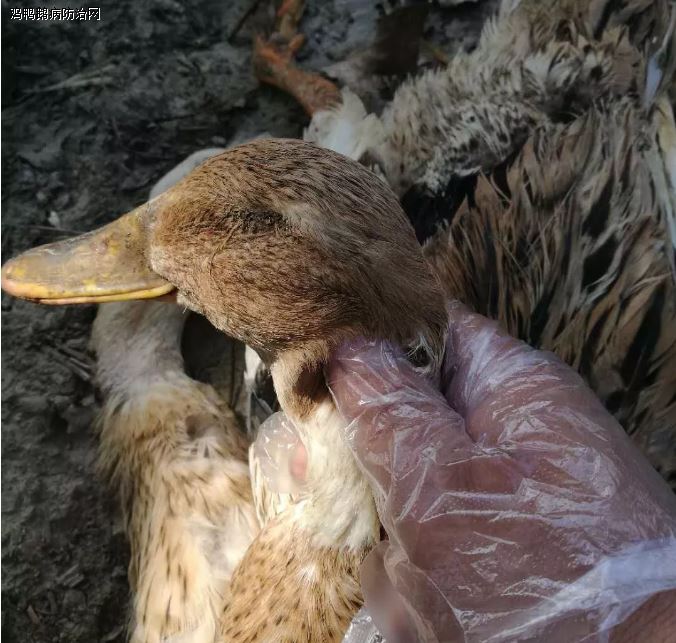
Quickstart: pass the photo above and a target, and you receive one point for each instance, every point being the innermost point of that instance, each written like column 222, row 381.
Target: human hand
column 515, row 505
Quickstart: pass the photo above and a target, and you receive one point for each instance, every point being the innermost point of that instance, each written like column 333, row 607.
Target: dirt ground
column 93, row 114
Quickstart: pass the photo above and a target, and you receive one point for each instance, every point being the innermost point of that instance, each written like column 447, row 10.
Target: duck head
column 283, row 245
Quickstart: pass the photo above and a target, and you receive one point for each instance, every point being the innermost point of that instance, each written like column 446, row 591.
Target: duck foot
column 273, row 61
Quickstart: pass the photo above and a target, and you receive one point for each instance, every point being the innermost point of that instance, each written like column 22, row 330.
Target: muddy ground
column 93, row 114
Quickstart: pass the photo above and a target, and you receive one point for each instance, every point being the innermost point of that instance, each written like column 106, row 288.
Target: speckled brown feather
column 536, row 60
column 567, row 249
column 173, row 453
column 309, row 596
column 304, row 566
column 542, row 60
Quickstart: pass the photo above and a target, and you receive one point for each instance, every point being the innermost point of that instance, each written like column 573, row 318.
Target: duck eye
column 420, row 356
column 258, row 222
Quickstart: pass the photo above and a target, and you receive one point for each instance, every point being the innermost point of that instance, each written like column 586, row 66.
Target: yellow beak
column 108, row 264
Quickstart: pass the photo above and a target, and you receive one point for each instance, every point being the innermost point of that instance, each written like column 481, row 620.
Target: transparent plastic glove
column 362, row 629
column 281, row 455
column 516, row 507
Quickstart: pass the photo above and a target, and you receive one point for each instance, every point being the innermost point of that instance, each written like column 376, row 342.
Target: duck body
column 323, row 207
column 172, row 452
column 581, row 266
column 535, row 61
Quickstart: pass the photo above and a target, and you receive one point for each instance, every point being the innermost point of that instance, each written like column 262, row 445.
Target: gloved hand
column 515, row 505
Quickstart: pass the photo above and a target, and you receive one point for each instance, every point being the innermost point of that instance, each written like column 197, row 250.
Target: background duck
column 173, row 453
column 534, row 61
column 291, row 249
column 561, row 115
column 581, row 264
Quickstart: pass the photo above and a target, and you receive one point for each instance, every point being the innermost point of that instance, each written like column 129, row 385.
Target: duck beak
column 108, row 264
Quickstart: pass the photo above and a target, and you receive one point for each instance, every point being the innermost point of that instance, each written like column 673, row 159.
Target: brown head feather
column 292, row 248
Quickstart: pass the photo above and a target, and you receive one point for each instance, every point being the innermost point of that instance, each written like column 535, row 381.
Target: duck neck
column 338, row 507
column 136, row 344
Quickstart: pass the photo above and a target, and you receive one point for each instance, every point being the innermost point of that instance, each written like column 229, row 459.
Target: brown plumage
column 308, row 594
column 312, row 238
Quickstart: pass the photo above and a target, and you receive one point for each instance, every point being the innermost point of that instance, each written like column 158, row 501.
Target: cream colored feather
column 173, row 453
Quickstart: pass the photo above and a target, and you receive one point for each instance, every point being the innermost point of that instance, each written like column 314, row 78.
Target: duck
column 534, row 61
column 582, row 263
column 172, row 452
column 538, row 172
column 289, row 248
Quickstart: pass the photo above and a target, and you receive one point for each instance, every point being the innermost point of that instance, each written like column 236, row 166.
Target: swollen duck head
column 283, row 245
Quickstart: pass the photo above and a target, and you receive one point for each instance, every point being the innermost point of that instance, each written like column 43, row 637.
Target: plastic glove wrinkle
column 492, row 505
